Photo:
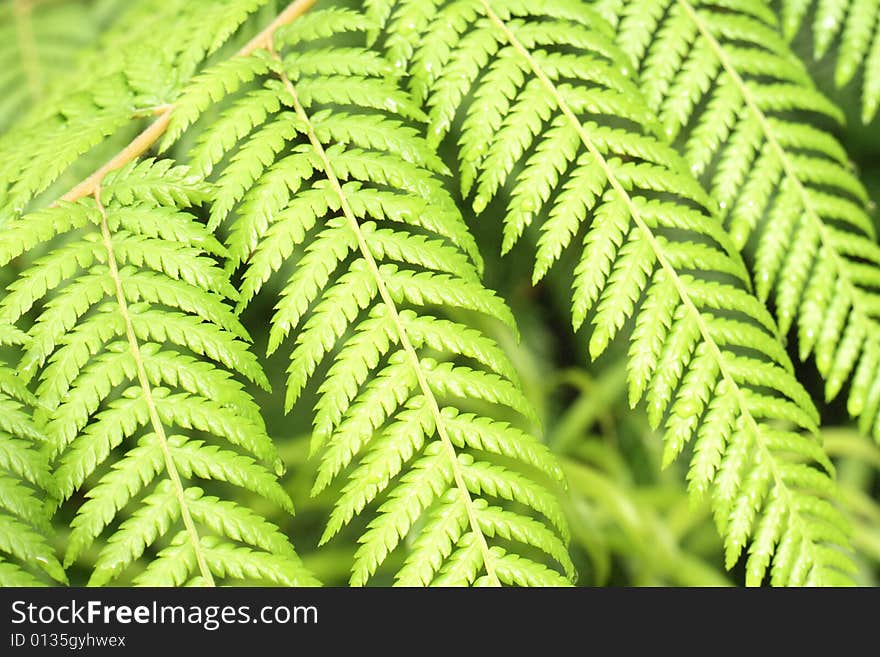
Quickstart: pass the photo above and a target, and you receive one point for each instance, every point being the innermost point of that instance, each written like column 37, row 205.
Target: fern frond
column 324, row 177
column 547, row 112
column 140, row 359
column 785, row 189
column 848, row 30
column 25, row 530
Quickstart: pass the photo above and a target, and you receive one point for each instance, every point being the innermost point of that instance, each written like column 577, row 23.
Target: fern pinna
column 25, row 480
column 850, row 28
column 137, row 353
column 420, row 411
column 732, row 95
column 547, row 112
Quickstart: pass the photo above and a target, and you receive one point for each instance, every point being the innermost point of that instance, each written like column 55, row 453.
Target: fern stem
column 23, row 10
column 405, row 342
column 156, row 110
column 151, row 134
column 648, row 235
column 854, row 292
column 144, row 381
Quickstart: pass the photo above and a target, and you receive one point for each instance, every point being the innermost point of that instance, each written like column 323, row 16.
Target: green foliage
column 858, row 465
column 704, row 351
column 326, row 178
column 25, row 480
column 849, row 28
column 38, row 43
column 132, row 309
column 662, row 176
column 731, row 93
column 150, row 53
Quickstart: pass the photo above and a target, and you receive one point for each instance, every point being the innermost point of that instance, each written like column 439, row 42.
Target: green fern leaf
column 25, row 530
column 331, row 183
column 850, row 28
column 785, row 189
column 533, row 87
column 134, row 340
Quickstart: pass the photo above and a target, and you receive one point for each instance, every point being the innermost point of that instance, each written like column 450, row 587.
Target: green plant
column 24, row 477
column 854, row 27
column 382, row 199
